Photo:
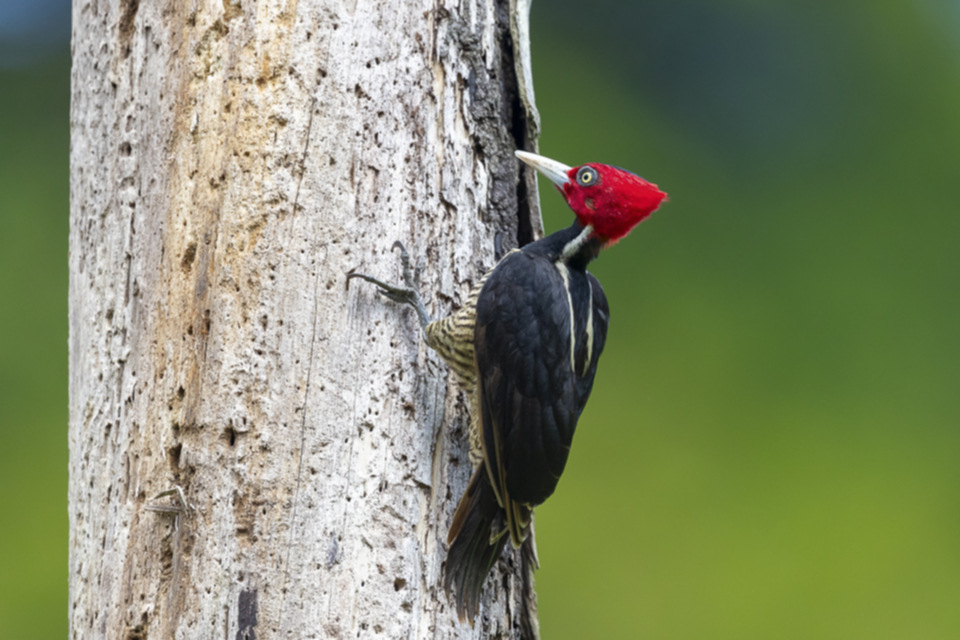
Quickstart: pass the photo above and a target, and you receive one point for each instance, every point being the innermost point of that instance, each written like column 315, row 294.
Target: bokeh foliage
column 34, row 197
column 772, row 446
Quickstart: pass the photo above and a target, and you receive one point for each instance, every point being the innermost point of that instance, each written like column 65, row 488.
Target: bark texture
column 231, row 161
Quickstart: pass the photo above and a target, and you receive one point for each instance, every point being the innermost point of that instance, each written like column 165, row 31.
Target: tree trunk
column 231, row 161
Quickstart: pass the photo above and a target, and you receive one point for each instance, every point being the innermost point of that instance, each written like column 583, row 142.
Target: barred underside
column 453, row 337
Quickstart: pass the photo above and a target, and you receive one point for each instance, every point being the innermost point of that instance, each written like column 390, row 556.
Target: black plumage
column 541, row 324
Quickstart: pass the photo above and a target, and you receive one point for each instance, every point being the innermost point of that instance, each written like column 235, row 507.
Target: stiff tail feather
column 477, row 537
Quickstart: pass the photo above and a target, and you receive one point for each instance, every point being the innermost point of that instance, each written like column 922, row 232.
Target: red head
column 611, row 200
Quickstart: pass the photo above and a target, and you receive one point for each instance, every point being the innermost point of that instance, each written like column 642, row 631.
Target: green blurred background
column 772, row 446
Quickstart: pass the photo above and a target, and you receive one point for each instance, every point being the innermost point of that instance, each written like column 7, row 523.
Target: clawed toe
column 397, row 294
column 411, row 279
column 408, row 294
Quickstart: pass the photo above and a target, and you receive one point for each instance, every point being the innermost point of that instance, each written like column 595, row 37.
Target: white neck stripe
column 574, row 245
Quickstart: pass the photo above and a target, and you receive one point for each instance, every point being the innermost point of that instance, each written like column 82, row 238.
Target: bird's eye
column 587, row 176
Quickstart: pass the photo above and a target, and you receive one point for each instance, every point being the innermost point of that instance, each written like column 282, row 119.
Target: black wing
column 601, row 321
column 531, row 390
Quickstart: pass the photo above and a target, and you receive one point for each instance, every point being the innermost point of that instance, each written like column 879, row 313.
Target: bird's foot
column 408, row 294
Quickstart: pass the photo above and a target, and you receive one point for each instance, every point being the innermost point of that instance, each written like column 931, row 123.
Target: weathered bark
column 231, row 161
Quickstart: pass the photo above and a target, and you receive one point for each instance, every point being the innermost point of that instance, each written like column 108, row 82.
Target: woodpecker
column 525, row 348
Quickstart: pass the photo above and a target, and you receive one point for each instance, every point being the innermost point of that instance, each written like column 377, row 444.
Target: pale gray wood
column 231, row 161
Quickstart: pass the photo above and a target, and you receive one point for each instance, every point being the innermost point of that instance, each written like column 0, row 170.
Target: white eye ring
column 587, row 176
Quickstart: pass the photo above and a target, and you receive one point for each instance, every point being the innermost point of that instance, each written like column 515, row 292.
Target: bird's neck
column 575, row 246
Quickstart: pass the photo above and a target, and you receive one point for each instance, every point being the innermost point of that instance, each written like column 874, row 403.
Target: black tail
column 476, row 539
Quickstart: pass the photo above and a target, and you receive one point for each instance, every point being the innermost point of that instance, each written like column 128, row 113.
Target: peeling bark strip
column 231, row 161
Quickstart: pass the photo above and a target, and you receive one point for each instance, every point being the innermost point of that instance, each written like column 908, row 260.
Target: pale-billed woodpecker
column 525, row 348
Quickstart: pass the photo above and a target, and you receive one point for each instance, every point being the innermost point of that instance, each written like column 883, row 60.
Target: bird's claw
column 397, row 294
column 409, row 294
column 411, row 279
